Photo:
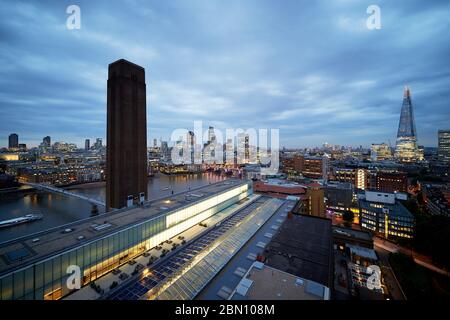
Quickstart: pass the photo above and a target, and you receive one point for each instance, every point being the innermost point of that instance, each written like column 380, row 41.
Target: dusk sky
column 309, row 68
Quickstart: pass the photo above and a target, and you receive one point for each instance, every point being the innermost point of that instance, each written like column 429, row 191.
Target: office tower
column 229, row 152
column 46, row 141
column 444, row 146
column 380, row 152
column 211, row 135
column 126, row 162
column 190, row 139
column 155, row 143
column 13, row 141
column 243, row 148
column 165, row 150
column 87, row 144
column 406, row 149
column 98, row 143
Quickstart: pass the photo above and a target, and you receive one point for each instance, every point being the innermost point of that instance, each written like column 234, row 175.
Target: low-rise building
column 263, row 282
column 392, row 181
column 302, row 246
column 383, row 214
column 339, row 196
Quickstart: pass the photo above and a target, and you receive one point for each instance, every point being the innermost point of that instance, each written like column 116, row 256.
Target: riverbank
column 97, row 184
column 59, row 209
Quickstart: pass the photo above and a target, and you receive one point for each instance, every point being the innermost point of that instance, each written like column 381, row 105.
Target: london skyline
column 265, row 72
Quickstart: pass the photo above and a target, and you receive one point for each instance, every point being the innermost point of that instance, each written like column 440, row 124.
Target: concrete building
column 343, row 236
column 339, row 196
column 263, row 282
column 315, row 200
column 303, row 247
column 126, row 157
column 383, row 214
column 279, row 188
column 358, row 177
column 392, row 181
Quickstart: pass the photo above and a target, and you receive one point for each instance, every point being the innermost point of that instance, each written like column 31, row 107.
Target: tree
column 348, row 217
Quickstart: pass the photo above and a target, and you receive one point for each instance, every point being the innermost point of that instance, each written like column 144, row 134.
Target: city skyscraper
column 46, row 141
column 211, row 135
column 406, row 148
column 444, row 146
column 87, row 144
column 190, row 140
column 98, row 143
column 13, row 141
column 126, row 157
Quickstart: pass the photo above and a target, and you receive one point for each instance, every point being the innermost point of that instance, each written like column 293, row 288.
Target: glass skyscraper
column 406, row 149
column 444, row 146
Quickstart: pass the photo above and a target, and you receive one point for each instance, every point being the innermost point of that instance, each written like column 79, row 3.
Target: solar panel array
column 195, row 278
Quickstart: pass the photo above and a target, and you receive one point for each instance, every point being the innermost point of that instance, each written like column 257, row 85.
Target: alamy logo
column 374, row 20
column 374, row 280
column 74, row 20
column 74, row 280
column 237, row 146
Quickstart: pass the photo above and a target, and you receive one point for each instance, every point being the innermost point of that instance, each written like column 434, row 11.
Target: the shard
column 406, row 149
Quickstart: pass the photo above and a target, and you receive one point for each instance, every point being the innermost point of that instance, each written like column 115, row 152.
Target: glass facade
column 46, row 279
column 193, row 279
column 444, row 146
column 387, row 221
column 406, row 149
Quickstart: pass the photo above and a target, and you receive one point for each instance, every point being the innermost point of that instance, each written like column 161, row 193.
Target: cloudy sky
column 309, row 68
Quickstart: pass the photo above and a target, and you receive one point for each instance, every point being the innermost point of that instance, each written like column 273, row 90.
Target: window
column 18, row 284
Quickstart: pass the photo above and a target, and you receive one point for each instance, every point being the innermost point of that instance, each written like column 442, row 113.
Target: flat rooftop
column 266, row 283
column 230, row 276
column 22, row 251
column 303, row 247
column 396, row 209
column 351, row 233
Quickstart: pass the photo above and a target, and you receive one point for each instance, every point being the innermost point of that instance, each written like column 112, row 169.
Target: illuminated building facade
column 406, row 149
column 384, row 215
column 392, row 181
column 444, row 146
column 339, row 196
column 308, row 166
column 358, row 177
column 380, row 152
column 35, row 267
column 315, row 200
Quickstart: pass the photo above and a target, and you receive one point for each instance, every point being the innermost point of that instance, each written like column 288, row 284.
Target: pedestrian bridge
column 53, row 189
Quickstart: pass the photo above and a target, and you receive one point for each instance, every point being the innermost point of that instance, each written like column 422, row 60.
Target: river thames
column 58, row 209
